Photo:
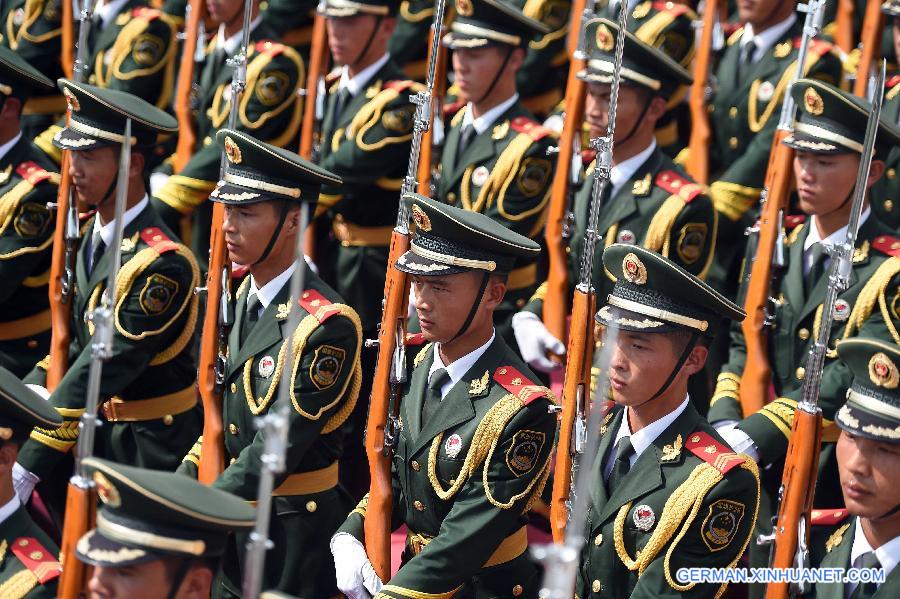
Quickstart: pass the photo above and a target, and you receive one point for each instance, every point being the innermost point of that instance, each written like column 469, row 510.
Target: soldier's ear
column 875, row 172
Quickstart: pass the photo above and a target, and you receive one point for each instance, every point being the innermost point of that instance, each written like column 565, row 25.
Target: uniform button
column 520, row 303
column 233, row 388
column 311, row 506
column 517, row 590
column 891, row 173
column 207, row 140
column 803, row 334
column 451, row 198
column 598, row 540
column 888, row 205
column 733, row 112
column 233, row 429
column 168, row 420
column 415, row 465
column 418, row 505
column 801, row 373
column 710, row 108
column 232, row 461
column 596, row 586
column 733, row 143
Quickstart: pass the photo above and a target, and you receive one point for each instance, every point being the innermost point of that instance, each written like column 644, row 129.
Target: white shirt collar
column 233, row 43
column 267, row 293
column 109, row 10
column 838, row 236
column 642, row 439
column 459, row 367
column 888, row 554
column 767, row 38
column 106, row 231
column 487, row 119
column 621, row 173
column 9, row 508
column 5, row 148
column 356, row 83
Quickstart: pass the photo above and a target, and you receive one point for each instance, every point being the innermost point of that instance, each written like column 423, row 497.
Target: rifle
column 81, row 503
column 701, row 92
column 186, row 89
column 870, row 40
column 427, row 160
column 560, row 218
column 573, row 430
column 798, row 482
column 217, row 319
column 766, row 261
column 382, row 427
column 67, row 38
column 843, row 20
column 313, row 109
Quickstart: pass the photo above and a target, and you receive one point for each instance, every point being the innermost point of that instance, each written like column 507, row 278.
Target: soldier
column 868, row 457
column 652, row 202
column 670, row 494
column 476, row 435
column 262, row 190
column 32, row 570
column 27, row 183
column 158, row 534
column 886, row 193
column 147, row 395
column 269, row 109
column 495, row 156
column 828, row 139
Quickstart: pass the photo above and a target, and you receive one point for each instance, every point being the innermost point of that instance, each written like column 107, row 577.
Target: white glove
column 311, row 264
column 23, row 482
column 535, row 341
column 157, row 181
column 411, row 306
column 554, row 122
column 356, row 577
column 42, row 391
column 739, row 441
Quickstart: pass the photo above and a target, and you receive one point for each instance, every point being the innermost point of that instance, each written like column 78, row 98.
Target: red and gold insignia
column 34, row 556
column 421, row 219
column 883, row 372
column 605, row 39
column 464, row 8
column 107, row 493
column 634, row 270
column 708, row 449
column 71, row 100
column 232, row 151
column 519, row 385
column 813, row 102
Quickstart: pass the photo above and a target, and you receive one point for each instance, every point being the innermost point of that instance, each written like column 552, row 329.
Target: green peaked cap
column 479, row 23
column 21, row 409
column 872, row 409
column 18, row 78
column 351, row 8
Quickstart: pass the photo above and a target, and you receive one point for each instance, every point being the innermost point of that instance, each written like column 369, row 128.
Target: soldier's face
column 764, row 12
column 151, row 580
column 443, row 303
column 249, row 227
column 630, row 109
column 868, row 471
column 224, row 11
column 92, row 172
column 348, row 37
column 824, row 181
column 474, row 69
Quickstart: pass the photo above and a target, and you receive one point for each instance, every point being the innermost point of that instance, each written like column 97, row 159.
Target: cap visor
column 414, row 264
column 227, row 193
column 97, row 550
column 804, row 143
column 69, row 139
column 861, row 422
column 626, row 320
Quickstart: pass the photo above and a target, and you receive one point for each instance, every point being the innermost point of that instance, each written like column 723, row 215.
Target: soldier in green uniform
column 27, row 183
column 270, row 110
column 886, row 193
column 28, row 564
column 669, row 494
column 652, row 202
column 158, row 534
column 495, row 155
column 147, row 395
column 868, row 456
column 475, row 435
column 828, row 139
column 262, row 190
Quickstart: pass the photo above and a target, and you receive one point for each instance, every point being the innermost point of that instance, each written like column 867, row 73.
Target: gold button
column 517, row 590
column 888, row 205
column 520, row 303
column 207, row 140
column 733, row 143
column 232, row 461
column 233, row 388
column 415, row 465
column 168, row 420
column 568, row 249
column 803, row 334
column 233, row 429
column 451, row 198
column 891, row 173
column 670, row 5
column 596, row 586
column 733, row 112
column 598, row 540
column 311, row 506
column 92, row 79
column 801, row 373
column 418, row 505
column 710, row 108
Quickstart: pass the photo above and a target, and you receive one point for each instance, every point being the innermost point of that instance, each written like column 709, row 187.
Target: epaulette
column 588, row 156
column 816, row 46
column 677, row 184
column 792, row 222
column 892, row 81
column 42, row 563
column 399, row 85
column 33, row 172
column 717, row 455
column 269, row 47
column 146, row 12
column 415, row 339
column 673, row 8
column 827, row 517
column 159, row 241
column 535, row 130
column 519, row 385
column 316, row 304
column 886, row 244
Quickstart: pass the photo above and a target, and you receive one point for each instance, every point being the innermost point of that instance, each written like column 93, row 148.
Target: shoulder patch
column 315, row 303
column 721, row 524
column 159, row 241
column 157, row 295
column 524, row 451
column 42, row 563
column 887, row 244
column 415, row 339
column 792, row 222
column 522, row 124
column 326, row 366
column 828, row 517
column 146, row 12
column 712, row 452
column 33, row 172
column 519, row 385
column 269, row 47
column 677, row 184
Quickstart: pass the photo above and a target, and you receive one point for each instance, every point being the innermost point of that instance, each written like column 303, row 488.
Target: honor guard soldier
column 159, row 535
column 262, row 191
column 495, row 155
column 886, row 192
column 828, row 140
column 867, row 533
column 652, row 202
column 475, row 434
column 670, row 494
column 147, row 394
column 270, row 109
column 28, row 562
column 28, row 182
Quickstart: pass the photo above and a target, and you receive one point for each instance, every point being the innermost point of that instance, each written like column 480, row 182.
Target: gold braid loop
column 872, row 293
column 660, row 230
column 18, row 585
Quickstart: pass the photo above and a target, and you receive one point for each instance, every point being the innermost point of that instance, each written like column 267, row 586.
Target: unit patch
column 398, row 121
column 148, row 50
column 32, row 220
column 524, row 451
column 326, row 366
column 272, row 87
column 157, row 294
column 721, row 523
column 691, row 241
column 533, row 176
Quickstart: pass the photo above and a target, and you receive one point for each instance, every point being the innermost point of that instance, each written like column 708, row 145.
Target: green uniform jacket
column 368, row 147
column 293, row 20
column 886, row 191
column 20, row 536
column 464, row 479
column 408, row 45
column 326, row 379
column 687, row 501
column 155, row 320
column 28, row 183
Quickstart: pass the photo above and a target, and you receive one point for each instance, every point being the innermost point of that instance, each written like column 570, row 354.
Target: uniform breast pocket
column 447, row 469
column 640, row 523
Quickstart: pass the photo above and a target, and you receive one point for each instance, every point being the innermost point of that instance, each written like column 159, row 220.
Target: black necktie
column 745, row 60
column 343, row 97
column 622, row 464
column 865, row 590
column 817, row 269
column 433, row 394
column 252, row 316
column 98, row 247
column 465, row 138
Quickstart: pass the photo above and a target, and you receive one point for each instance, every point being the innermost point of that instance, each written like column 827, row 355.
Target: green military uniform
column 28, row 557
column 465, row 475
column 27, row 183
column 309, row 504
column 408, row 45
column 886, row 192
column 147, row 394
column 293, row 20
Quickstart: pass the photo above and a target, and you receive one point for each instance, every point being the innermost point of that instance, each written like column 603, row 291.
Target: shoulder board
column 238, row 272
column 734, row 35
column 399, row 85
column 588, row 156
column 679, row 185
column 269, row 47
column 519, row 385
column 892, row 81
column 42, row 563
column 816, row 46
column 792, row 222
column 146, row 12
column 716, row 454
column 415, row 339
column 316, row 304
column 887, row 244
column 33, row 172
column 522, row 124
column 828, row 517
column 672, row 8
column 159, row 241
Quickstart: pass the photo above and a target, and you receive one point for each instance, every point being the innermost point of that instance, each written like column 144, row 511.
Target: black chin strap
column 475, row 304
column 368, row 43
column 110, row 191
column 637, row 122
column 891, row 512
column 497, row 75
column 695, row 335
column 179, row 577
column 275, row 233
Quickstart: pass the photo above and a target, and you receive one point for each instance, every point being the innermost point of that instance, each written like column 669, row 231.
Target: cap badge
column 883, row 372
column 453, row 445
column 625, row 236
column 464, row 8
column 232, row 151
column 634, row 270
column 421, row 219
column 605, row 38
column 644, row 518
column 107, row 493
column 813, row 102
column 71, row 100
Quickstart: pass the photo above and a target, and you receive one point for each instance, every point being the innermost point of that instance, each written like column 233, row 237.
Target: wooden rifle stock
column 80, row 501
column 426, row 158
column 67, row 51
column 318, row 62
column 698, row 157
column 870, row 40
column 187, row 136
column 757, row 370
column 60, row 311
column 843, row 20
column 577, row 380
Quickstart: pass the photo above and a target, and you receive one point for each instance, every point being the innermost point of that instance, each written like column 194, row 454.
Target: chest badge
column 841, row 310
column 644, row 518
column 266, row 366
column 480, row 176
column 766, row 91
column 453, row 445
column 625, row 236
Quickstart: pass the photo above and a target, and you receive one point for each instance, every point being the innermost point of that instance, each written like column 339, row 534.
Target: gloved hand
column 356, row 576
column 535, row 341
column 738, row 440
column 23, row 482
